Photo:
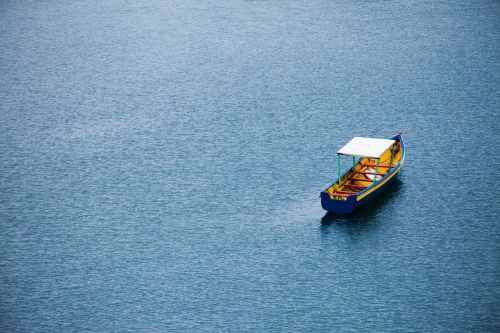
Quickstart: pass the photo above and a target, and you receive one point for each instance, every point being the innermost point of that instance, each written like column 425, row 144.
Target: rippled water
column 160, row 166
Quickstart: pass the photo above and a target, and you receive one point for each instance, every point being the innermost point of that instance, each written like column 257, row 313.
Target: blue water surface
column 161, row 161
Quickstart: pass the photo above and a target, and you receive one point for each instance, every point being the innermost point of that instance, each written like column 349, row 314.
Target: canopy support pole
column 392, row 156
column 353, row 161
column 338, row 166
column 376, row 170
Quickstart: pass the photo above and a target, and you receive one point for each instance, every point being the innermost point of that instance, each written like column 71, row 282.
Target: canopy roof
column 366, row 147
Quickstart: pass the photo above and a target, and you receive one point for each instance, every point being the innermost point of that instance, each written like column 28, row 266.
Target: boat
column 376, row 165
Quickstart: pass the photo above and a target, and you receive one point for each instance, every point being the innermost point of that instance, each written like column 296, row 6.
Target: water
column 161, row 164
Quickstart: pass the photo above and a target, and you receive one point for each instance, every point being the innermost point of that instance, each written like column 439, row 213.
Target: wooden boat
column 379, row 162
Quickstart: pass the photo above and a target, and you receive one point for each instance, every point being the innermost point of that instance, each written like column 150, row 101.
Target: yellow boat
column 379, row 163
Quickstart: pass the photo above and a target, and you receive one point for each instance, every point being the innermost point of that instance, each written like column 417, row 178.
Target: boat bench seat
column 371, row 164
column 370, row 173
column 355, row 186
column 340, row 195
column 361, row 179
column 345, row 192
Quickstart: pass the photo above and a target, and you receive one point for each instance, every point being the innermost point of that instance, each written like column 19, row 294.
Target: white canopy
column 366, row 147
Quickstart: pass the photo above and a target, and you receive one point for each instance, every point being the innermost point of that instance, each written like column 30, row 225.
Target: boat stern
column 338, row 206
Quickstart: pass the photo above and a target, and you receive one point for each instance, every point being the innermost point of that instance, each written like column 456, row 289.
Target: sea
column 161, row 164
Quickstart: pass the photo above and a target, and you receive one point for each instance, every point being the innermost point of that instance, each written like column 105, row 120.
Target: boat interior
column 362, row 174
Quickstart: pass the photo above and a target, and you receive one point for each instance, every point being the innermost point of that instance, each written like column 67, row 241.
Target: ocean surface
column 161, row 164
